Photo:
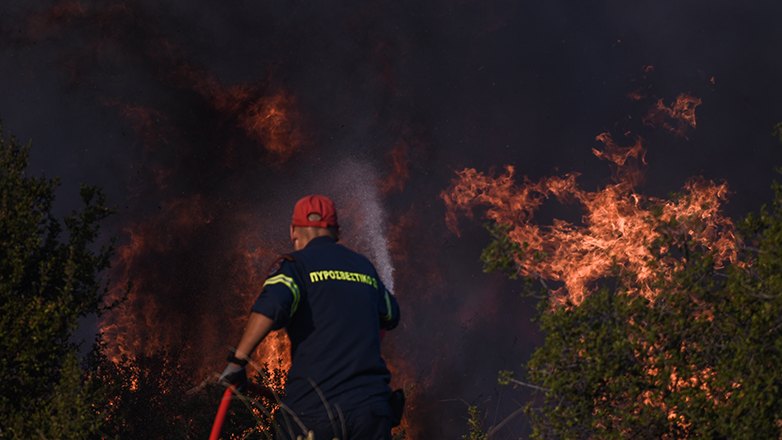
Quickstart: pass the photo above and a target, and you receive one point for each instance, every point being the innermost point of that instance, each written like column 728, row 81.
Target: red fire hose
column 252, row 387
column 226, row 401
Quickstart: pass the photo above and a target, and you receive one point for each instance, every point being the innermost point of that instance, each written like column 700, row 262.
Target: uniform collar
column 319, row 241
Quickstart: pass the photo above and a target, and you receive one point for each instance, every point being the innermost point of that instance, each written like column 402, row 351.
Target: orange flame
column 128, row 332
column 616, row 225
column 400, row 173
column 627, row 172
column 617, row 230
column 208, row 315
column 269, row 120
column 677, row 118
column 203, row 320
column 616, row 221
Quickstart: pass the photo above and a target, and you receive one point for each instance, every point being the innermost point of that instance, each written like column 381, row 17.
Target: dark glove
column 397, row 402
column 234, row 375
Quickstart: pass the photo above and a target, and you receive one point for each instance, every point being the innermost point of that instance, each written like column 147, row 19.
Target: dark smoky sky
column 476, row 84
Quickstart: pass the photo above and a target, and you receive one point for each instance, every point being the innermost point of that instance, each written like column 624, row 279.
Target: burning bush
column 153, row 397
column 700, row 359
column 663, row 321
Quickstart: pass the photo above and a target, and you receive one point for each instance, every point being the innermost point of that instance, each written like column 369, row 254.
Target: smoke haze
column 206, row 121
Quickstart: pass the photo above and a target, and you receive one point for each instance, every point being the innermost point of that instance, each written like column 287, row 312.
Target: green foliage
column 49, row 278
column 696, row 356
column 475, row 423
column 499, row 255
column 68, row 412
column 699, row 358
column 778, row 131
column 506, row 377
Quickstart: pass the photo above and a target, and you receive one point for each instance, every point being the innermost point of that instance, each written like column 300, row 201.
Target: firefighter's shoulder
column 277, row 264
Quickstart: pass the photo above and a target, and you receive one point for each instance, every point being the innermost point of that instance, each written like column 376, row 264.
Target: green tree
column 49, row 279
column 699, row 358
column 693, row 354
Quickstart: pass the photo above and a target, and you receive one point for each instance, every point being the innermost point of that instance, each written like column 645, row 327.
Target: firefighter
column 333, row 306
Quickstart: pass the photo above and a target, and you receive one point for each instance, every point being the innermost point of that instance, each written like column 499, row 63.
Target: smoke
column 206, row 121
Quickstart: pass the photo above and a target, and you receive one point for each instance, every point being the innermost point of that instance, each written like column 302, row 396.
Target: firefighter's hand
column 234, row 375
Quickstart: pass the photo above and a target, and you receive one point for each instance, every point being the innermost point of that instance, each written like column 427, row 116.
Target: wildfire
column 190, row 244
column 616, row 226
column 269, row 120
column 183, row 299
column 266, row 115
column 173, row 304
column 400, row 172
column 616, row 230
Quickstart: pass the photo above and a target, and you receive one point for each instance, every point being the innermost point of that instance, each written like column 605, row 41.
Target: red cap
column 315, row 204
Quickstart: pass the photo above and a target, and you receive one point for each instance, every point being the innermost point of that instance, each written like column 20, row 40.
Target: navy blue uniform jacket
column 332, row 304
